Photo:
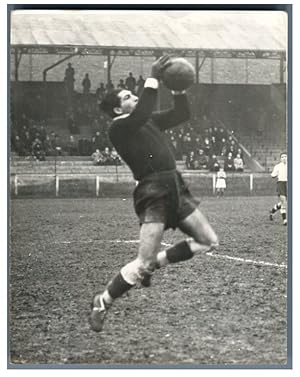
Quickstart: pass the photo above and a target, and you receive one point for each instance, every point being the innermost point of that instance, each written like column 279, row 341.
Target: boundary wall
column 122, row 184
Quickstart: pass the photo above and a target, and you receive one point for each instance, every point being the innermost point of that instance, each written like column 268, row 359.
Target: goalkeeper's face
column 128, row 102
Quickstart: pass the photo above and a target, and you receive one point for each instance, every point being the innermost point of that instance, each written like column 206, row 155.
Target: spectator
column 181, row 131
column 110, row 86
column 221, row 183
column 213, row 163
column 191, row 162
column 72, row 146
column 198, row 142
column 24, row 121
column 86, row 84
column 97, row 142
column 213, row 146
column 202, row 159
column 191, row 130
column 228, row 163
column 180, row 143
column 238, row 163
column 216, row 133
column 100, row 92
column 221, row 133
column 140, row 85
column 27, row 143
column 43, row 133
column 17, row 145
column 207, row 146
column 52, row 139
column 223, row 147
column 107, row 156
column 121, row 84
column 23, row 131
column 54, row 142
column 69, row 72
column 174, row 147
column 115, row 157
column 33, row 132
column 49, row 151
column 37, row 150
column 57, row 146
column 73, row 128
column 130, row 83
column 240, row 152
column 229, row 141
column 210, row 133
column 233, row 148
column 69, row 79
column 98, row 158
column 187, row 144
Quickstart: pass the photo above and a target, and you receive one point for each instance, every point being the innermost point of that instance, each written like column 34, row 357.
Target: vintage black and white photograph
column 148, row 188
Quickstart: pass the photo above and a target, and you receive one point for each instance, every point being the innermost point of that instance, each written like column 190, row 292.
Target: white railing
column 20, row 180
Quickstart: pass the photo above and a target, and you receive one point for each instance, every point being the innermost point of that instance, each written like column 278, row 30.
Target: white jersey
column 280, row 171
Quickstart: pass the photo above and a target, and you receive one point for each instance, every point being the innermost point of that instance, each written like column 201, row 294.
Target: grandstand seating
column 81, row 165
column 67, row 165
column 228, row 103
column 266, row 152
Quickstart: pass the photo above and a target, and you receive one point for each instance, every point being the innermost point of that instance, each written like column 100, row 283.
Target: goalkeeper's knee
column 136, row 270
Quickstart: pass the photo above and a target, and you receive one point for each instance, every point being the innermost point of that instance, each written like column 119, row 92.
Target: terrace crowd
column 202, row 144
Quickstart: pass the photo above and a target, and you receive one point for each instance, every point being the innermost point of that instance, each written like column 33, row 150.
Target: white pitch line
column 112, row 241
column 135, row 241
column 261, row 263
column 223, row 256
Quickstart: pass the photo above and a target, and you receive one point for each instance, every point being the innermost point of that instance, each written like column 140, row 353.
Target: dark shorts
column 281, row 188
column 163, row 197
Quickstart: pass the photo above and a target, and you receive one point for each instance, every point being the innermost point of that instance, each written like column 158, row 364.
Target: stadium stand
column 243, row 92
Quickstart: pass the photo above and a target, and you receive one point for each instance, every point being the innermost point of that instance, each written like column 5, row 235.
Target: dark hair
column 283, row 153
column 110, row 101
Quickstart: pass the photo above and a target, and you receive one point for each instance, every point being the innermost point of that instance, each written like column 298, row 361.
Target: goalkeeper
column 161, row 198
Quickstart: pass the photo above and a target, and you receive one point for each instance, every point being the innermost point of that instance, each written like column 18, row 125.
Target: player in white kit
column 280, row 172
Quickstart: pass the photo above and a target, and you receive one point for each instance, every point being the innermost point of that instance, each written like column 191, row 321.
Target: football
column 179, row 75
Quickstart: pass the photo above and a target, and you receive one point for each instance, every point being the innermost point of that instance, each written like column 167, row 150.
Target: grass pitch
column 228, row 308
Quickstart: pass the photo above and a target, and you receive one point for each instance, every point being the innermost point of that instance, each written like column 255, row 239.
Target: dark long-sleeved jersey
column 139, row 138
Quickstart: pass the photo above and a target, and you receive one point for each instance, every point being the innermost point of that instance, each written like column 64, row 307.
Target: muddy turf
column 225, row 309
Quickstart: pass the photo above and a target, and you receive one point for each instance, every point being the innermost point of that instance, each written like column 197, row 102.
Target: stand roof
column 235, row 34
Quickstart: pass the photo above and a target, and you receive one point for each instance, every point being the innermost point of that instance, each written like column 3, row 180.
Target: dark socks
column 179, row 252
column 118, row 286
column 276, row 208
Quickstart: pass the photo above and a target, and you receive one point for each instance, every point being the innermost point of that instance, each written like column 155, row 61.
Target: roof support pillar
column 197, row 67
column 281, row 69
column 212, row 69
column 108, row 66
column 246, row 70
column 110, row 63
column 17, row 63
column 55, row 64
